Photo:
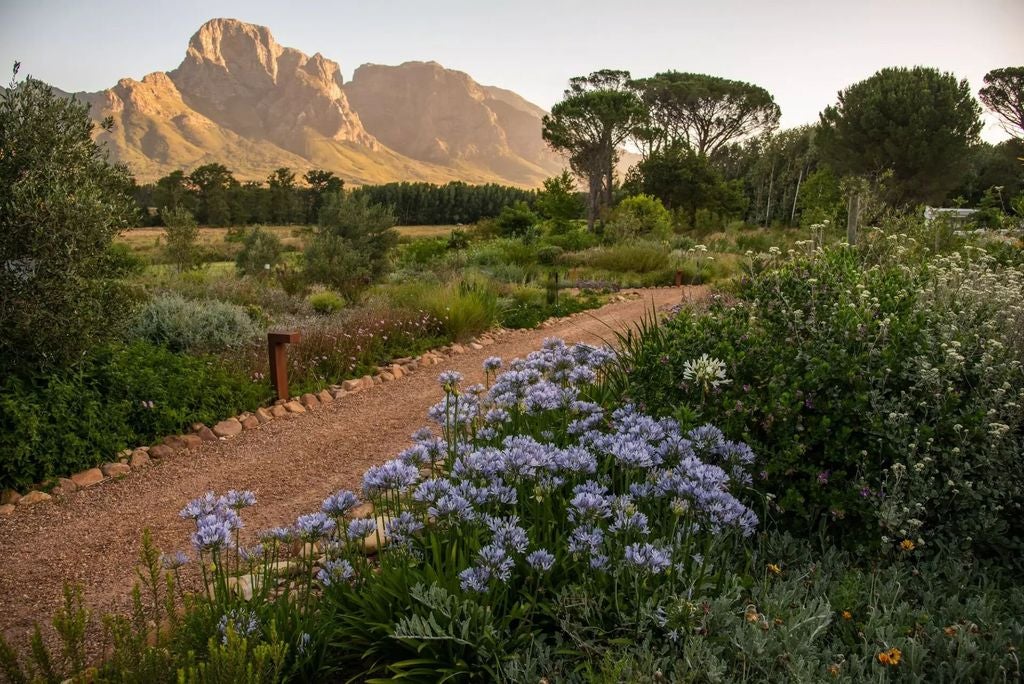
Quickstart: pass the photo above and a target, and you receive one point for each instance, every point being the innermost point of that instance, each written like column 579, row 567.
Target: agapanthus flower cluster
column 216, row 518
column 602, row 493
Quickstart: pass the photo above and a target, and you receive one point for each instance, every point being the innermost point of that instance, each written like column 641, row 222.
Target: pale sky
column 802, row 51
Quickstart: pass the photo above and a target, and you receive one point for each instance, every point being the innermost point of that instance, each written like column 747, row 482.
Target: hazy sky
column 802, row 51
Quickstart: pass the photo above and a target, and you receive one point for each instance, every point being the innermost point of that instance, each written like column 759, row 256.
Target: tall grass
column 463, row 308
column 635, row 257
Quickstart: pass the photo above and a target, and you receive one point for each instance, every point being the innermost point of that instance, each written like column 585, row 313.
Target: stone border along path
column 91, row 536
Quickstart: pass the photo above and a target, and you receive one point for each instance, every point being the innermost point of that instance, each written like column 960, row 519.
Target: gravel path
column 92, row 536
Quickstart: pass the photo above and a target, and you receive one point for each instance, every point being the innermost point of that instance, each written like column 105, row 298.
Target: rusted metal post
column 276, row 342
column 679, row 278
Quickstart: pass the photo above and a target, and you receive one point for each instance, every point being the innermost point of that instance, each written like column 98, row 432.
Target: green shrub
column 349, row 249
column 181, row 233
column 260, row 253
column 549, row 255
column 458, row 239
column 121, row 396
column 641, row 216
column 572, row 240
column 195, row 326
column 884, row 395
column 516, row 219
column 122, row 261
column 423, row 251
column 326, row 303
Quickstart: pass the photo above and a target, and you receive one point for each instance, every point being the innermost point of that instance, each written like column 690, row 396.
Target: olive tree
column 62, row 204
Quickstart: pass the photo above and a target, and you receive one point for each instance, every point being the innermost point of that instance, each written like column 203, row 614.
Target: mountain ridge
column 241, row 99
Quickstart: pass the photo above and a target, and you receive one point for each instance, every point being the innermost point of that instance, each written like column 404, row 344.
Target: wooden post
column 852, row 216
column 276, row 342
column 679, row 278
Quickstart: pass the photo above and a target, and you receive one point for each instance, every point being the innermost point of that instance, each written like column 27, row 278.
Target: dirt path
column 91, row 537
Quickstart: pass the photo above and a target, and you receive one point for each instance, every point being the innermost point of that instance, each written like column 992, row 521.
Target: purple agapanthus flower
column 541, row 560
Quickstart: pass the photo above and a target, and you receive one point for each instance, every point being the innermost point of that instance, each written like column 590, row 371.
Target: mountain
column 458, row 122
column 241, row 99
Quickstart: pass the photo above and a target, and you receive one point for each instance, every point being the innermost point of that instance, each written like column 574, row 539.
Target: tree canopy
column 596, row 115
column 1004, row 94
column 704, row 112
column 917, row 123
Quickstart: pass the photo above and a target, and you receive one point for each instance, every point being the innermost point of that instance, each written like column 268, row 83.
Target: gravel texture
column 92, row 536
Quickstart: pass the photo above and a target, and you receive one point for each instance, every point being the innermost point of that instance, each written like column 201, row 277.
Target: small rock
column 310, row 401
column 206, row 434
column 408, row 368
column 377, row 380
column 387, row 377
column 475, row 346
column 175, row 442
column 7, row 509
column 250, row 423
column 34, row 497
column 196, row 427
column 458, row 349
column 227, row 428
column 115, row 469
column 324, row 396
column 367, row 382
column 396, row 370
column 264, row 415
column 339, row 393
column 242, row 586
column 294, row 407
column 486, row 341
column 363, row 510
column 192, row 441
column 402, row 361
column 160, row 451
column 285, row 568
column 352, row 385
column 373, row 541
column 9, row 496
column 89, row 477
column 64, row 486
column 140, row 459
column 124, row 453
column 278, row 411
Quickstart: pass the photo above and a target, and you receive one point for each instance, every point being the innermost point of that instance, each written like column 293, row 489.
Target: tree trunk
column 771, row 185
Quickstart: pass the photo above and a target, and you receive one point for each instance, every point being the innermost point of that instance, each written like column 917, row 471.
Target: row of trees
column 215, row 197
column 711, row 143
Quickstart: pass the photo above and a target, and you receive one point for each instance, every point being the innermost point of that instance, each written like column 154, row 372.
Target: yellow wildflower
column 907, row 545
column 891, row 657
column 949, row 631
column 751, row 614
column 833, row 669
column 774, row 569
column 847, row 615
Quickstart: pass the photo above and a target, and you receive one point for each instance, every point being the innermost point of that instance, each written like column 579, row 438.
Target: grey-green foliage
column 261, row 252
column 195, row 326
column 61, row 205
